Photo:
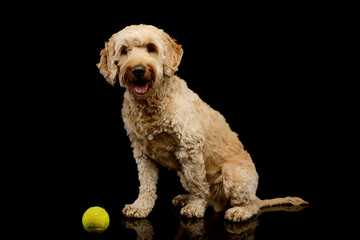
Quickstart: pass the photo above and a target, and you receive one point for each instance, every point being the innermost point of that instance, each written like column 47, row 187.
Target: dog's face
column 141, row 57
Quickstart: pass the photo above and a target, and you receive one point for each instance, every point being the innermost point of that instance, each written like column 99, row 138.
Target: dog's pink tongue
column 141, row 89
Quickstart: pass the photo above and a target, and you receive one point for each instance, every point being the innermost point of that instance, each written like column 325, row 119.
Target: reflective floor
column 281, row 222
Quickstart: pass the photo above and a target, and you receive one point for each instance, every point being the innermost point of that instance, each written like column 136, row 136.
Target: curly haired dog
column 169, row 124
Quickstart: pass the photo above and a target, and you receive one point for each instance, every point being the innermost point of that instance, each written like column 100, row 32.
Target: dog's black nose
column 138, row 70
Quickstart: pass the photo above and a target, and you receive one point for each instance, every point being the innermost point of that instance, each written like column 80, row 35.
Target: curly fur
column 170, row 125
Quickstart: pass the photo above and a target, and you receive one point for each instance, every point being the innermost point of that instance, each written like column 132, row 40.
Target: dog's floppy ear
column 173, row 53
column 107, row 65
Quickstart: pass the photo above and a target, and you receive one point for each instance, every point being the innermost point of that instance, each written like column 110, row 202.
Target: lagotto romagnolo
column 168, row 124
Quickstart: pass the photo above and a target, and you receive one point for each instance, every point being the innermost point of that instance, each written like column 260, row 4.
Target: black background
column 260, row 66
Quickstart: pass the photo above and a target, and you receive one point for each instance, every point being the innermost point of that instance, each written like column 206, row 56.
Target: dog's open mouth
column 141, row 86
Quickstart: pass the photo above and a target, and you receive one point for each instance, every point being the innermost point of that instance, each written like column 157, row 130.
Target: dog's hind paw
column 181, row 200
column 192, row 211
column 238, row 214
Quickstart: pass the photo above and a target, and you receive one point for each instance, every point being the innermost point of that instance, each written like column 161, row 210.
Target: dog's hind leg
column 240, row 182
column 182, row 199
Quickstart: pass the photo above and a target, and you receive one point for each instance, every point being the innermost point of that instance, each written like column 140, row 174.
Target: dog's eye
column 150, row 48
column 124, row 50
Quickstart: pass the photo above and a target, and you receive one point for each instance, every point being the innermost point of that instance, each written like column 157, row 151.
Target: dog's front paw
column 136, row 211
column 193, row 211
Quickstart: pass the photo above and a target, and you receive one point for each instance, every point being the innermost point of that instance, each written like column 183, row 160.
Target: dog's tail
column 295, row 201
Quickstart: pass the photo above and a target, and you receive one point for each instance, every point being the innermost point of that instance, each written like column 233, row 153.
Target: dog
column 169, row 125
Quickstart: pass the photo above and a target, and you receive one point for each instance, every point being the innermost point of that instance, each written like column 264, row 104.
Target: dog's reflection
column 143, row 228
column 213, row 226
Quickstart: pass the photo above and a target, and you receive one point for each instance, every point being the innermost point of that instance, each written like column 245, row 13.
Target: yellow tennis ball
column 95, row 219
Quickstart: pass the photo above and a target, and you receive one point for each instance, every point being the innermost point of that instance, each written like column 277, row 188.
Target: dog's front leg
column 148, row 176
column 193, row 168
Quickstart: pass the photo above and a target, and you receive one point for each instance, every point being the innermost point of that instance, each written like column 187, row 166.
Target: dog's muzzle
column 141, row 83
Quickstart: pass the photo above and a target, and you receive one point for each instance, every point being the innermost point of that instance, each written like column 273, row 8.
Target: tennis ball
column 95, row 220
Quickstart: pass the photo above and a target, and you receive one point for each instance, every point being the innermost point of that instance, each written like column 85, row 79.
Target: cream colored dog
column 169, row 124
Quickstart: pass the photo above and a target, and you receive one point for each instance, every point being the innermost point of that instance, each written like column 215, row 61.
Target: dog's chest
column 162, row 147
column 154, row 134
column 158, row 144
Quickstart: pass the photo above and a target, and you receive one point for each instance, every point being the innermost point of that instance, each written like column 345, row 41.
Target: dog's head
column 140, row 56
